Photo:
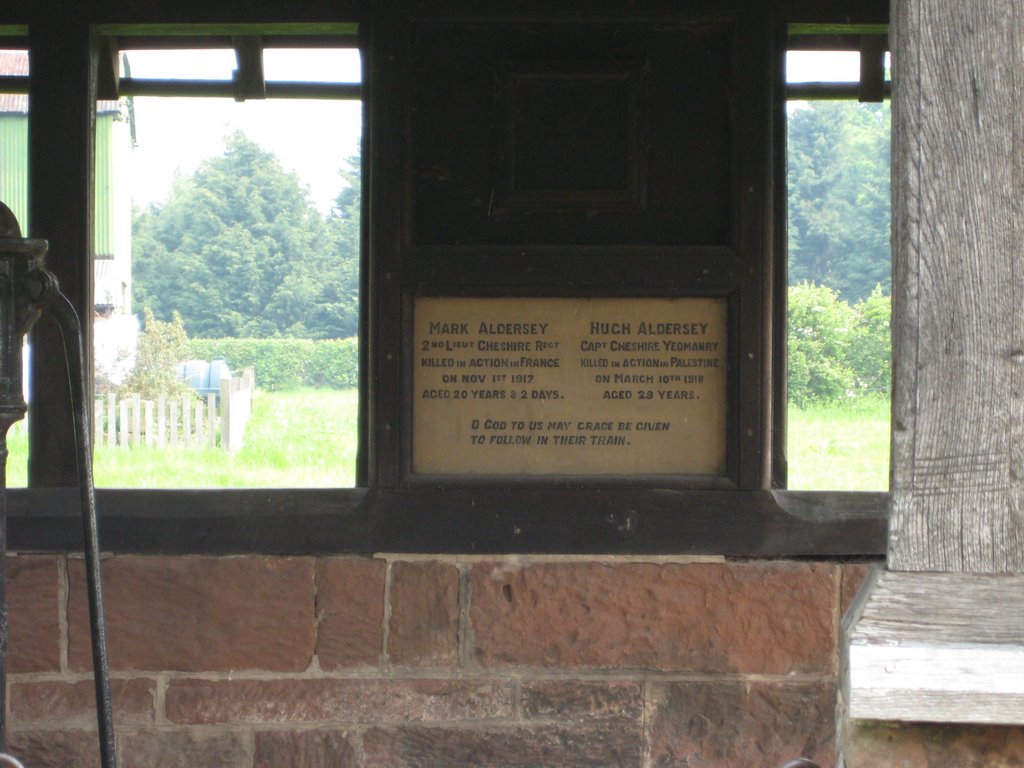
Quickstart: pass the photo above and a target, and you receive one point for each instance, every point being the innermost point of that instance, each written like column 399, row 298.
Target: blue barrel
column 204, row 377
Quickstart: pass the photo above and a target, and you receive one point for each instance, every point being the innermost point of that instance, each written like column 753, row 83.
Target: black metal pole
column 70, row 331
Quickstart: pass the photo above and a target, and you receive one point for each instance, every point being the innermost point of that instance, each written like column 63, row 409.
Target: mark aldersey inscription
column 555, row 386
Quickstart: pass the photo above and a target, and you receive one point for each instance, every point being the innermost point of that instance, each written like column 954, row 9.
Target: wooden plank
column 957, row 398
column 97, row 424
column 872, row 67
column 248, row 78
column 938, row 647
column 149, row 427
column 172, row 438
column 211, row 420
column 752, row 189
column 186, row 421
column 136, row 411
column 197, row 435
column 161, row 421
column 124, row 425
column 111, row 420
column 386, row 140
column 554, row 520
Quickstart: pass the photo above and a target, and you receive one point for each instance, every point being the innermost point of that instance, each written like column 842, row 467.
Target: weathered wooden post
column 938, row 636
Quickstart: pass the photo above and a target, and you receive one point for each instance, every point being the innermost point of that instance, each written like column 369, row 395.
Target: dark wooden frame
column 406, row 268
column 387, row 514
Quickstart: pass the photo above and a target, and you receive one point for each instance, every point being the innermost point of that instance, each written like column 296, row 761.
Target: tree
column 239, row 250
column 838, row 170
column 327, row 283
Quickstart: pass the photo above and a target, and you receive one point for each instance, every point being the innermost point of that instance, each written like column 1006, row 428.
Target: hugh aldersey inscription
column 553, row 386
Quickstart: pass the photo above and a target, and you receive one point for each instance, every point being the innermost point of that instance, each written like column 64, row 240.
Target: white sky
column 822, row 66
column 314, row 138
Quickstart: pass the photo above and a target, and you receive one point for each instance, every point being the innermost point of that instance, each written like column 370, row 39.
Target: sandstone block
column 731, row 724
column 753, row 618
column 350, row 612
column 32, row 583
column 198, row 614
column 195, row 701
column 424, row 627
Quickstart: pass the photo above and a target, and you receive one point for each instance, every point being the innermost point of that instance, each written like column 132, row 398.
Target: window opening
column 179, row 64
column 14, row 106
column 14, row 132
column 839, row 278
column 242, row 258
column 822, row 67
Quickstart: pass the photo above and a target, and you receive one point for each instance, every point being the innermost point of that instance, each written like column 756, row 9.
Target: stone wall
column 252, row 661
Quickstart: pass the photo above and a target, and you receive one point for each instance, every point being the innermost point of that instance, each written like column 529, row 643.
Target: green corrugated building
column 113, row 193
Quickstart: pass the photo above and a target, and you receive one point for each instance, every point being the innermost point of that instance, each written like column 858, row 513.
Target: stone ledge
column 936, row 647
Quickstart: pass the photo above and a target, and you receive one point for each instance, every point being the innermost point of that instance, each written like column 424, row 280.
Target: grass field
column 308, row 439
column 839, row 447
column 301, row 439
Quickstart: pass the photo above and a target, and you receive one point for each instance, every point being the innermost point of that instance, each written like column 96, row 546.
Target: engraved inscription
column 544, row 386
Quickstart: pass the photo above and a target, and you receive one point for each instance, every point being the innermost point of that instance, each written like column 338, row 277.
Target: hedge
column 287, row 363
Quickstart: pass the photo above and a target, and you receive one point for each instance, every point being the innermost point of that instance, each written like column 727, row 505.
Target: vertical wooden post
column 124, row 421
column 111, row 421
column 226, row 425
column 150, row 427
column 161, row 421
column 136, row 420
column 211, row 419
column 937, row 637
column 62, row 92
column 199, row 423
column 173, row 437
column 958, row 393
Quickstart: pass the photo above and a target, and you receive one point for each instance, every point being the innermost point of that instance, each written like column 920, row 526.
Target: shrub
column 161, row 347
column 836, row 351
column 871, row 356
column 821, row 330
column 282, row 364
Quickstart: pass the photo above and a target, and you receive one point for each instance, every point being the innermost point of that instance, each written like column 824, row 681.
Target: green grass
column 301, row 439
column 839, row 447
column 308, row 439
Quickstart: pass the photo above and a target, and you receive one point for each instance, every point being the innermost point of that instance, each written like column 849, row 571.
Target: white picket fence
column 187, row 422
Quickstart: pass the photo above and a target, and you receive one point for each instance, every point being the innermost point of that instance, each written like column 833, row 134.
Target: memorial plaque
column 578, row 386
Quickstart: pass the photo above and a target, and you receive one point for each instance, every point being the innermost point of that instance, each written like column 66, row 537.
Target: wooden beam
column 937, row 647
column 61, row 126
column 561, row 519
column 958, row 221
column 248, row 80
column 108, row 69
column 939, row 637
column 872, row 68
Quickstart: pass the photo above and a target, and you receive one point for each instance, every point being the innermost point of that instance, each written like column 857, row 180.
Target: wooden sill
column 936, row 647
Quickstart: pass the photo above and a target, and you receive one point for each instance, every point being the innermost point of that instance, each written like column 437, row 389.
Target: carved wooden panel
column 572, row 139
column 589, row 134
